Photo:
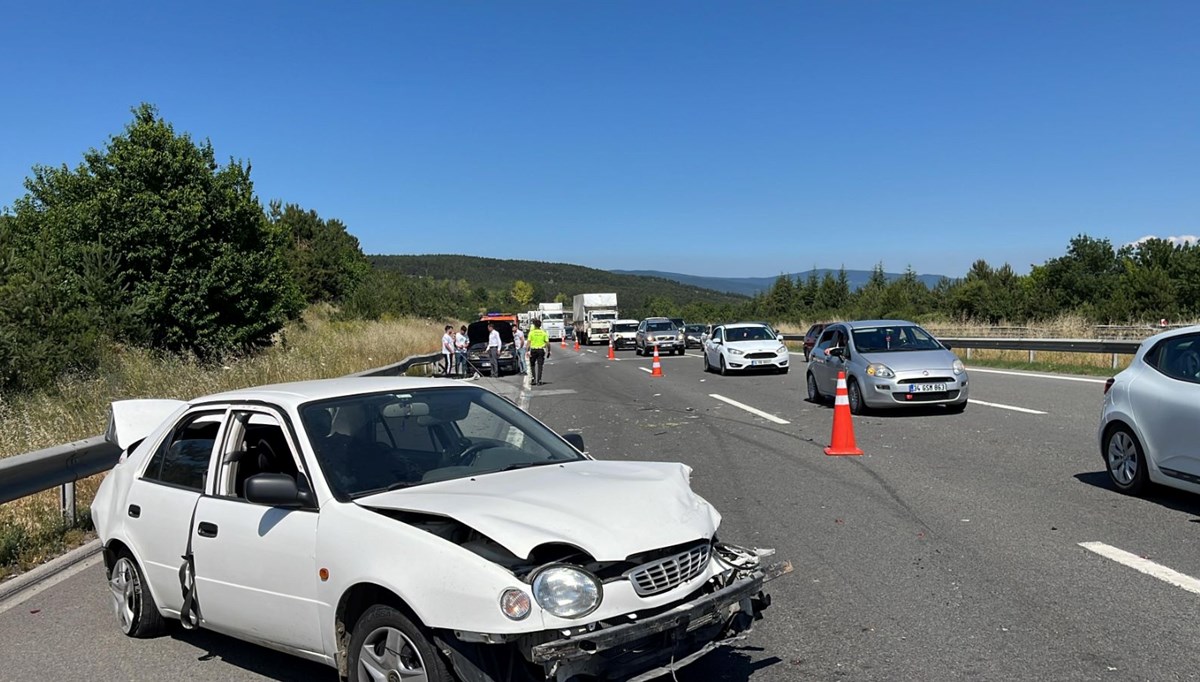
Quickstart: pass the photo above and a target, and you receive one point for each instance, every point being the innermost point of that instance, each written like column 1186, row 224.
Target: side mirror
column 946, row 345
column 276, row 490
column 836, row 352
column 575, row 439
column 779, row 337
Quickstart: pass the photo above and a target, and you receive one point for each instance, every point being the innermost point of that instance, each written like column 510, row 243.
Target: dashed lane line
column 1014, row 408
column 752, row 410
column 1033, row 375
column 1150, row 568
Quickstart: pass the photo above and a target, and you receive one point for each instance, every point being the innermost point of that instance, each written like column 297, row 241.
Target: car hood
column 751, row 346
column 477, row 332
column 939, row 360
column 611, row 510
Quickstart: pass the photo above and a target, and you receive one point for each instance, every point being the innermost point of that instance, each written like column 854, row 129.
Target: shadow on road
column 253, row 658
column 726, row 664
column 1170, row 498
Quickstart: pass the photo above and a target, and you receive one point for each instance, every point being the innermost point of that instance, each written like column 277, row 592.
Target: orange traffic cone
column 656, row 366
column 842, row 440
column 576, row 344
column 564, row 341
column 611, row 356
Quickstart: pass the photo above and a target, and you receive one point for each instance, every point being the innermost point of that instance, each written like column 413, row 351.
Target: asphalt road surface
column 953, row 549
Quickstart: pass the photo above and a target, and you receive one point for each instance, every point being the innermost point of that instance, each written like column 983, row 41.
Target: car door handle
column 206, row 529
column 135, row 511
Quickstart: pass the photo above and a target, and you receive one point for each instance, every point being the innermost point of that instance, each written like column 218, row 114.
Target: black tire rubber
column 852, row 388
column 723, row 371
column 704, row 356
column 147, row 620
column 814, row 393
column 1141, row 480
column 957, row 408
column 784, row 370
column 381, row 615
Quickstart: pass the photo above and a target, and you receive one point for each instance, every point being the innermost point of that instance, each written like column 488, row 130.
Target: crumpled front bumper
column 650, row 647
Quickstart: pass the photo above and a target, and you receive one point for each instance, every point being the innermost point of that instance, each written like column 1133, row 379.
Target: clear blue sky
column 724, row 138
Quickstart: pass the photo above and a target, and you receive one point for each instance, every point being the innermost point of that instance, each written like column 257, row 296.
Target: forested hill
column 637, row 295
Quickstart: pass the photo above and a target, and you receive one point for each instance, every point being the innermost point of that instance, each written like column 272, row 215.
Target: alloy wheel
column 388, row 655
column 126, row 592
column 1122, row 458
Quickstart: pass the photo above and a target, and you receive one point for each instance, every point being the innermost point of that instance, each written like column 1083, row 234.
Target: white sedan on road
column 745, row 345
column 399, row 528
column 1150, row 426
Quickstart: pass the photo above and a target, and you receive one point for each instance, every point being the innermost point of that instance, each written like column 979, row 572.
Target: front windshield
column 891, row 339
column 694, row 329
column 624, row 327
column 380, row 441
column 660, row 326
column 748, row 334
column 604, row 316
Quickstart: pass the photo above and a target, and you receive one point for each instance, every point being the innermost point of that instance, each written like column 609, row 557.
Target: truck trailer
column 593, row 317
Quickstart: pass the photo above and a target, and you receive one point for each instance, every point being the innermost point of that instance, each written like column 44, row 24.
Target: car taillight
column 1108, row 384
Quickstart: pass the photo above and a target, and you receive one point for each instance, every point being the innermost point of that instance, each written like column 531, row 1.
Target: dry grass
column 317, row 347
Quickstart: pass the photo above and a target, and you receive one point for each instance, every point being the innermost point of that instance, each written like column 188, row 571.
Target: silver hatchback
column 888, row 363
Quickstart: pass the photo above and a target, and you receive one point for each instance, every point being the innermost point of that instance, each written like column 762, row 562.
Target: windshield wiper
column 526, row 465
column 385, row 489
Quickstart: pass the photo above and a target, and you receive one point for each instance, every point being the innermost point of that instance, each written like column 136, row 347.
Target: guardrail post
column 1032, row 356
column 1114, row 360
column 968, row 353
column 66, row 498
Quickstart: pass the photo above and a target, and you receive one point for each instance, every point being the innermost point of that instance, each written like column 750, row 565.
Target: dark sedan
column 477, row 356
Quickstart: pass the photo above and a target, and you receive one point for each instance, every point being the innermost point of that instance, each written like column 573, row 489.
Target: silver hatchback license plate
column 926, row 388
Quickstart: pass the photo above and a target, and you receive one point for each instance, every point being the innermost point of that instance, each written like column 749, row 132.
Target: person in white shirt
column 447, row 351
column 460, row 351
column 519, row 348
column 493, row 348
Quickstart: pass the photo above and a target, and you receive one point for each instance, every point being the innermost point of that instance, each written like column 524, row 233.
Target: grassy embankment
column 31, row 529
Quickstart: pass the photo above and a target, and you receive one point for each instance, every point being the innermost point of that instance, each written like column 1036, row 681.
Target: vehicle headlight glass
column 878, row 369
column 782, row 350
column 566, row 591
column 735, row 351
column 958, row 366
column 514, row 603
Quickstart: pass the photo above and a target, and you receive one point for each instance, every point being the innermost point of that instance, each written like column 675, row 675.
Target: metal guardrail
column 63, row 465
column 1032, row 346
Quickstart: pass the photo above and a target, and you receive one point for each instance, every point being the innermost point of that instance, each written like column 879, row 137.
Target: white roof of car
column 735, row 325
column 297, row 393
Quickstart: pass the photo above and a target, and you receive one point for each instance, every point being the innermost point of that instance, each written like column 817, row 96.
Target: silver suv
column 661, row 332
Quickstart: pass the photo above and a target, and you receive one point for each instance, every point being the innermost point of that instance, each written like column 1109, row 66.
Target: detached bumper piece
column 656, row 645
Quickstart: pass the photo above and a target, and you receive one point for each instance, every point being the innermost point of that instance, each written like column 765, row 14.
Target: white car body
column 725, row 349
column 297, row 578
column 1156, row 400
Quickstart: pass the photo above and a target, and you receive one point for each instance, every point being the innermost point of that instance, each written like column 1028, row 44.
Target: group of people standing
column 537, row 346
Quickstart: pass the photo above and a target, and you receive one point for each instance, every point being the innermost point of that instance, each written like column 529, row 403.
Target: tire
column 388, row 644
column 1124, row 460
column 707, row 367
column 814, row 393
column 857, row 406
column 784, row 370
column 137, row 614
column 957, row 408
column 723, row 370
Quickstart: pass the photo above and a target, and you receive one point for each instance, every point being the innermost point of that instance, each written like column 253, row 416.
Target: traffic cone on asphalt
column 577, row 344
column 842, row 440
column 611, row 356
column 656, row 366
column 564, row 342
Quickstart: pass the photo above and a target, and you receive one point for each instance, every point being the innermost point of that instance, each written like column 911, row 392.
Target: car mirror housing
column 575, row 439
column 277, row 490
column 836, row 352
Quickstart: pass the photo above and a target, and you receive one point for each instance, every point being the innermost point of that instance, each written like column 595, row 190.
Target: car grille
column 926, row 380
column 759, row 356
column 659, row 576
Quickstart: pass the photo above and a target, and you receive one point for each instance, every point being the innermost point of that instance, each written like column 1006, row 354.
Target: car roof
column 859, row 324
column 734, row 325
column 297, row 393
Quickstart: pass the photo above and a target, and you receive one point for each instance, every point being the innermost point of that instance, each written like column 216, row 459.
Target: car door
column 713, row 348
column 826, row 367
column 162, row 498
column 256, row 570
column 1167, row 406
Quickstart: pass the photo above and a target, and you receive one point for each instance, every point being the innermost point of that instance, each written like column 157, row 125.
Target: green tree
column 325, row 260
column 522, row 293
column 205, row 271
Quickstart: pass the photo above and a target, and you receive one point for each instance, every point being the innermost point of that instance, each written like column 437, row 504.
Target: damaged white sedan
column 399, row 528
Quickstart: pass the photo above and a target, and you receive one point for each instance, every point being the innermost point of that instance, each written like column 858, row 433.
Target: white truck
column 551, row 315
column 594, row 315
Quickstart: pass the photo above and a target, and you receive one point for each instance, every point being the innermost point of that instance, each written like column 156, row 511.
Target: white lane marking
column 1150, row 568
column 1036, row 376
column 647, row 371
column 752, row 410
column 590, row 350
column 1026, row 410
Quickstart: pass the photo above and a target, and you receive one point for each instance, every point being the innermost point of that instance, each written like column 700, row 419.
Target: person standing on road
column 539, row 350
column 447, row 351
column 460, row 351
column 519, row 349
column 493, row 348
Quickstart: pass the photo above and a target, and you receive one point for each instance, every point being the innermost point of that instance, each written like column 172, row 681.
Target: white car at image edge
column 403, row 528
column 1150, row 425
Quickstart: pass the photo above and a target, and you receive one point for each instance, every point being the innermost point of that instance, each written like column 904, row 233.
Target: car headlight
column 877, row 369
column 735, row 351
column 566, row 591
column 958, row 366
column 782, row 350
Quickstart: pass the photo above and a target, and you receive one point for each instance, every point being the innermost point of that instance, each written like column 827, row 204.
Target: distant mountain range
column 749, row 286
